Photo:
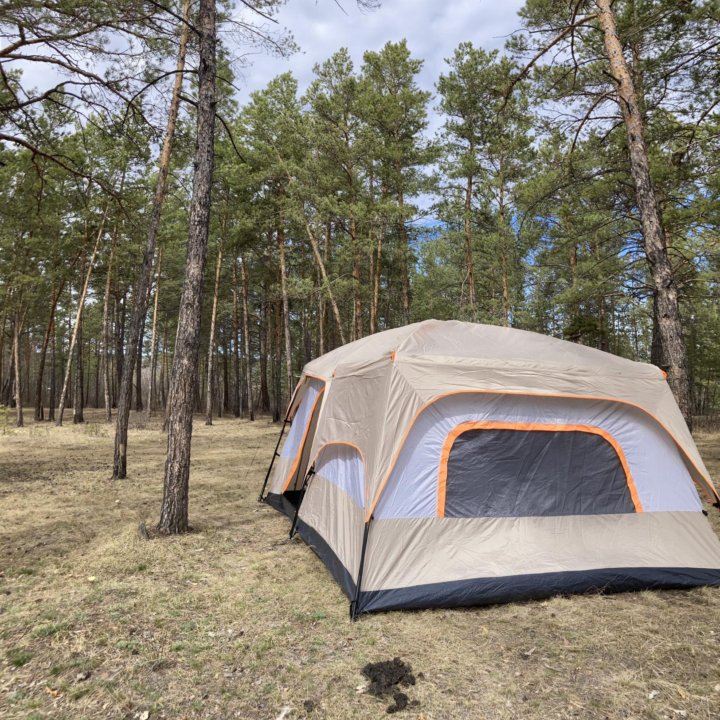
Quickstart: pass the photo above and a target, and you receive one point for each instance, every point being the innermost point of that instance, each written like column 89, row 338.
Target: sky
column 433, row 29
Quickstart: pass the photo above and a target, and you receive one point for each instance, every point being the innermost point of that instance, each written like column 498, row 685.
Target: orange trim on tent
column 455, row 433
column 713, row 493
column 317, row 377
column 302, row 442
column 289, row 415
column 339, row 442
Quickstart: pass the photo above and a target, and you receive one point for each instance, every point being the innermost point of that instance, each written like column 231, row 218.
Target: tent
column 448, row 463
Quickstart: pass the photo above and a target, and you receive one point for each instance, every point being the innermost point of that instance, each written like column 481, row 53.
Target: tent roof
column 456, row 339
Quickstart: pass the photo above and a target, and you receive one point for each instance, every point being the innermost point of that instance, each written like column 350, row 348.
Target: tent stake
column 272, row 461
column 354, row 603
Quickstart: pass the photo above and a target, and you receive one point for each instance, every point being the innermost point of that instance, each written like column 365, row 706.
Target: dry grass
column 232, row 621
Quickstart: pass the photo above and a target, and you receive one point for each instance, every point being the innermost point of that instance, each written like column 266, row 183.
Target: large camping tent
column 447, row 463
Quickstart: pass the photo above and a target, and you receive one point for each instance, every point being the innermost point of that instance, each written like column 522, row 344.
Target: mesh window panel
column 524, row 473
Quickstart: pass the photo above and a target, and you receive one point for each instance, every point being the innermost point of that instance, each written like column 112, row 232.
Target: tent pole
column 354, row 603
column 310, row 473
column 272, row 461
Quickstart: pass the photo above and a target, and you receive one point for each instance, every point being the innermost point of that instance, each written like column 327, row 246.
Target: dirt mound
column 386, row 678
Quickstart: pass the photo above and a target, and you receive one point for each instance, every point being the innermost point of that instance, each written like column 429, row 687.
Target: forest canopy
column 336, row 211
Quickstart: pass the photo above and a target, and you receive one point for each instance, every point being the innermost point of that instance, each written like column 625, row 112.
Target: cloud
column 433, row 29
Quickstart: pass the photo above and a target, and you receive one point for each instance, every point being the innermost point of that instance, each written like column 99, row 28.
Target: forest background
column 512, row 194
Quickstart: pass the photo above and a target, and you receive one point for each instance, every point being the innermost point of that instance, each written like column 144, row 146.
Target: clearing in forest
column 233, row 621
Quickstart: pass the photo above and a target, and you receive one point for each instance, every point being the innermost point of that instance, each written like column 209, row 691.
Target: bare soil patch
column 234, row 621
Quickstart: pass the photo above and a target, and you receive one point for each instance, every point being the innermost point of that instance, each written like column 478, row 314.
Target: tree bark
column 78, row 395
column 225, row 404
column 275, row 356
column 106, row 356
column 53, row 375
column 326, row 282
column 469, row 263
column 670, row 325
column 246, row 338
column 285, row 307
column 119, row 339
column 211, row 344
column 357, row 300
column 264, row 400
column 405, row 262
column 163, row 371
column 2, row 349
column 17, row 329
column 78, row 320
column 237, row 407
column 174, row 512
column 145, row 275
column 39, row 408
column 375, row 302
column 152, row 392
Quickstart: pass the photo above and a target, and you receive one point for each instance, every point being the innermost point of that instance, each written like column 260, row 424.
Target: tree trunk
column 225, row 404
column 276, row 375
column 120, row 315
column 285, row 307
column 145, row 275
column 78, row 320
column 17, row 329
column 246, row 338
column 670, row 325
column 264, row 400
column 321, row 294
column 2, row 350
column 138, row 365
column 211, row 344
column 152, row 392
column 326, row 282
column 357, row 301
column 237, row 407
column 469, row 263
column 375, row 308
column 405, row 262
column 504, row 231
column 98, row 366
column 106, row 356
column 53, row 375
column 39, row 409
column 78, row 396
column 174, row 512
column 163, row 371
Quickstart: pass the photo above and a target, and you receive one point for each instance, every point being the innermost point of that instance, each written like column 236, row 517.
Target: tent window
column 491, row 471
column 295, row 444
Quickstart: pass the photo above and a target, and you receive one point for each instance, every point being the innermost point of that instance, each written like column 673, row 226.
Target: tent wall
column 292, row 462
column 433, row 562
column 595, row 463
column 330, row 520
column 658, row 472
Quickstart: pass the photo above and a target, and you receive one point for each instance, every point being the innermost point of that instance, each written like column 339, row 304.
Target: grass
column 234, row 621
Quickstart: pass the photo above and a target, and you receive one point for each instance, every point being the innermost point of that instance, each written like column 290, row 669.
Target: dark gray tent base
column 513, row 588
column 490, row 591
column 285, row 503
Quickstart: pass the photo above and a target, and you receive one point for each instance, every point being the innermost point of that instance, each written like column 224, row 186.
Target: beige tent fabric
column 454, row 338
column 381, row 383
column 405, row 553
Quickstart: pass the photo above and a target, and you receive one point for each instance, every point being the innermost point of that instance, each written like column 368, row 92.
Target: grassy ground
column 233, row 621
